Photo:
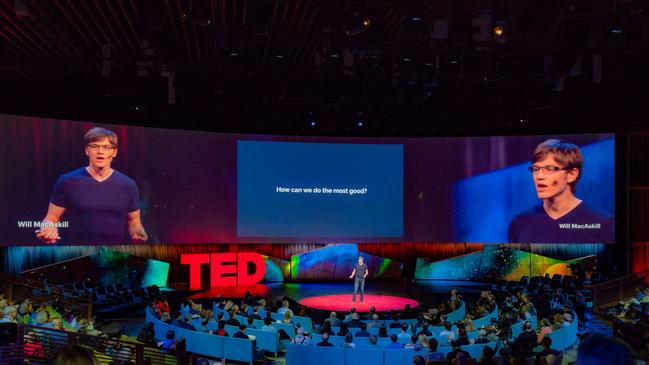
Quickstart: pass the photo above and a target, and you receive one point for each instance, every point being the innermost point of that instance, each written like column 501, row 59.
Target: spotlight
column 500, row 32
column 360, row 124
column 357, row 24
column 312, row 124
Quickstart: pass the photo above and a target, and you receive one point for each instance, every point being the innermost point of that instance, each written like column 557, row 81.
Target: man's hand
column 139, row 235
column 48, row 234
column 351, row 276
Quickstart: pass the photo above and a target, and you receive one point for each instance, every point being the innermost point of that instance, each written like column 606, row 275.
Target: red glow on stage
column 233, row 291
column 343, row 303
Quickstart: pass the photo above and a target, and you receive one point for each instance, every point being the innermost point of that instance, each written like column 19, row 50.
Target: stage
column 343, row 302
column 385, row 296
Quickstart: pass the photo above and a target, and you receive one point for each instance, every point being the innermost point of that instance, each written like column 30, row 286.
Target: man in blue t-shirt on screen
column 359, row 274
column 562, row 218
column 101, row 204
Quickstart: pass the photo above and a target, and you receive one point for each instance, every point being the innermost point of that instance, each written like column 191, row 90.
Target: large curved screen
column 66, row 182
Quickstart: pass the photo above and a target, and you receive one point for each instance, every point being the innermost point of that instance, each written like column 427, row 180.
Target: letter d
column 260, row 268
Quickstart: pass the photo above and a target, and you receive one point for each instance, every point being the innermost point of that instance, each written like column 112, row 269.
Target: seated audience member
column 251, row 323
column 395, row 343
column 383, row 331
column 414, row 343
column 482, row 337
column 301, row 338
column 255, row 314
column 395, row 322
column 232, row 321
column 348, row 317
column 460, row 358
column 375, row 323
column 241, row 332
column 462, row 336
column 456, row 350
column 487, row 356
column 546, row 328
column 220, row 331
column 418, row 360
column 74, row 355
column 344, row 330
column 169, row 342
column 333, row 320
column 268, row 325
column 147, row 335
column 603, row 350
column 404, row 336
column 373, row 340
column 362, row 332
column 433, row 354
column 355, row 322
column 288, row 318
column 284, row 307
column 424, row 330
column 325, row 340
column 10, row 315
column 349, row 341
column 546, row 344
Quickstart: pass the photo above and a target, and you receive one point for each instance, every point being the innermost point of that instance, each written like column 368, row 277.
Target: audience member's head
column 363, row 326
column 418, row 360
column 546, row 342
column 171, row 334
column 394, row 338
column 268, row 321
column 74, row 355
column 373, row 339
column 325, row 337
column 383, row 331
column 603, row 350
column 349, row 338
column 432, row 344
column 404, row 327
column 487, row 353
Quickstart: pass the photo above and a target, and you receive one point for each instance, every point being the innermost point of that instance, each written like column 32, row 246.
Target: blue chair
column 360, row 356
column 239, row 349
column 399, row 356
column 314, row 355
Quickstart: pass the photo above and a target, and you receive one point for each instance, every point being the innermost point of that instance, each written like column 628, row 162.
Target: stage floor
column 377, row 292
column 343, row 302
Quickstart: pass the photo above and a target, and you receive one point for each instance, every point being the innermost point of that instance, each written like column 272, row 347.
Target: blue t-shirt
column 96, row 211
column 580, row 225
column 360, row 270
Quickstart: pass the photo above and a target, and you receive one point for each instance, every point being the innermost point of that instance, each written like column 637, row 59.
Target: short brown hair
column 98, row 133
column 566, row 154
column 74, row 355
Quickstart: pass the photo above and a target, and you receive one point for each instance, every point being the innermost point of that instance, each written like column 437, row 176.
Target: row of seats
column 219, row 347
column 566, row 282
column 316, row 355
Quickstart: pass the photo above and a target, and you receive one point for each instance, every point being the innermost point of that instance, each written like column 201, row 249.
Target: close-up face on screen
column 79, row 183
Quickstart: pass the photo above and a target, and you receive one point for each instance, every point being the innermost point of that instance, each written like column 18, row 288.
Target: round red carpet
column 343, row 302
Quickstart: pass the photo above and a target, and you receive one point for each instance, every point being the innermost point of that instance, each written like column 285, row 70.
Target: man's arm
column 135, row 228
column 353, row 272
column 49, row 233
column 367, row 271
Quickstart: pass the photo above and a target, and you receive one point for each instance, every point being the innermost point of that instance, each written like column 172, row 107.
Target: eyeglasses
column 548, row 169
column 103, row 147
